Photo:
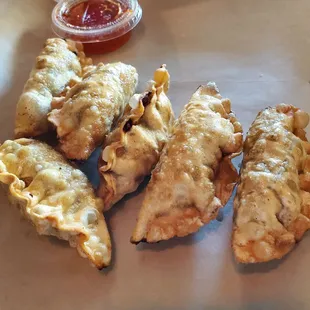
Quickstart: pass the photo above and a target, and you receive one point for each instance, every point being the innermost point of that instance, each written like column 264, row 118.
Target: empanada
column 272, row 204
column 55, row 197
column 194, row 176
column 59, row 64
column 91, row 108
column 132, row 150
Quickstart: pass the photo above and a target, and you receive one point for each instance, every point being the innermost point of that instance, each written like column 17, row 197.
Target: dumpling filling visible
column 132, row 150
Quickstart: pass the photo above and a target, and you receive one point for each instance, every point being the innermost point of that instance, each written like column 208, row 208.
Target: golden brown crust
column 132, row 150
column 59, row 65
column 91, row 107
column 194, row 175
column 271, row 211
column 55, row 197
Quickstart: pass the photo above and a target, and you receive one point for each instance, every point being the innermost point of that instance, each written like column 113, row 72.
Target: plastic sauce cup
column 101, row 25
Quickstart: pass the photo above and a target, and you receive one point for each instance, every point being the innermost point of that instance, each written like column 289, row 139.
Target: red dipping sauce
column 102, row 25
column 94, row 13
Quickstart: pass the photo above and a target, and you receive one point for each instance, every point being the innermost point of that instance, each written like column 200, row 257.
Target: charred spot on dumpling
column 120, row 151
column 41, row 63
column 147, row 99
column 139, row 178
column 28, row 181
column 272, row 137
column 128, row 125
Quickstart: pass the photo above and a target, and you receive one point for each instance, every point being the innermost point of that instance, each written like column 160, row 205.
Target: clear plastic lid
column 90, row 21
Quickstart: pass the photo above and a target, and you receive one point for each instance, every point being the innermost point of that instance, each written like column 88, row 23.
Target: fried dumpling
column 59, row 65
column 272, row 204
column 56, row 197
column 194, row 176
column 132, row 150
column 91, row 108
